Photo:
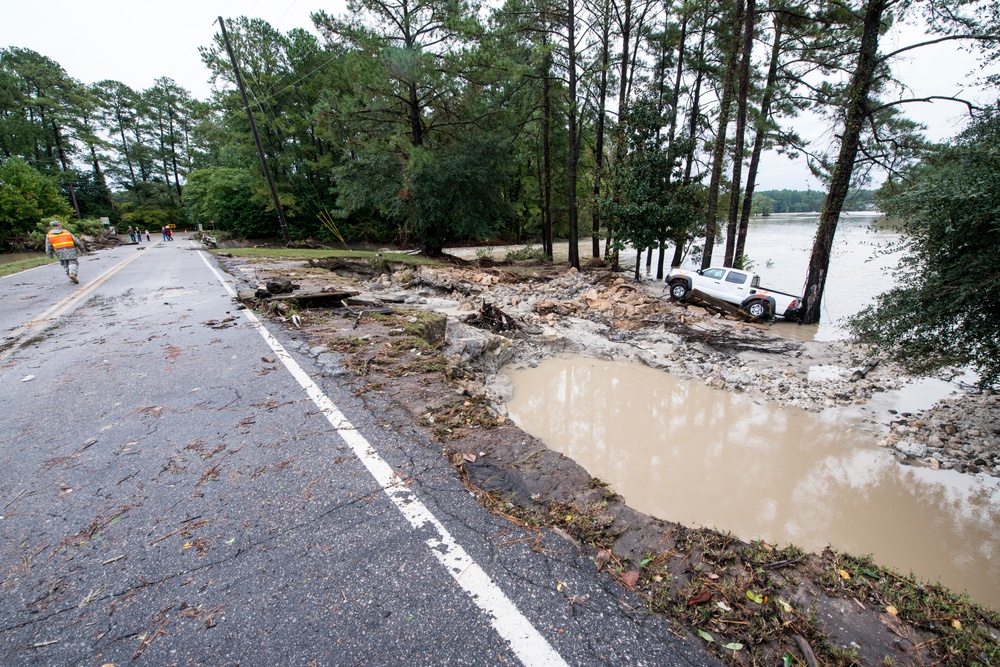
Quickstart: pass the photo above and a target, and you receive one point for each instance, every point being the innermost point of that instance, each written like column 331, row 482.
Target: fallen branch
column 864, row 370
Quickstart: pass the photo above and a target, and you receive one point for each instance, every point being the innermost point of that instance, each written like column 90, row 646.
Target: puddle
column 912, row 397
column 684, row 452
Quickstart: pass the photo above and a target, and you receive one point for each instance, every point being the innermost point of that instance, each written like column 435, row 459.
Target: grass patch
column 293, row 253
column 964, row 630
column 11, row 268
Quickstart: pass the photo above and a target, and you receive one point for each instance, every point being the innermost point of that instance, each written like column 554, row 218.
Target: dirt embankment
column 434, row 338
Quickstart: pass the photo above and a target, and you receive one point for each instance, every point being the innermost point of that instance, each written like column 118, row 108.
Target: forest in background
column 766, row 202
column 429, row 122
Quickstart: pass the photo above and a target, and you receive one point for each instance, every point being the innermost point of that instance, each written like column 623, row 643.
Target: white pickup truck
column 736, row 287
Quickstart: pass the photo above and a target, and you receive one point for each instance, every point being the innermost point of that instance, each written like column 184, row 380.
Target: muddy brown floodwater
column 685, row 452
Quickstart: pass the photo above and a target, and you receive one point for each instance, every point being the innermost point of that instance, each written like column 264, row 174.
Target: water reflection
column 685, row 452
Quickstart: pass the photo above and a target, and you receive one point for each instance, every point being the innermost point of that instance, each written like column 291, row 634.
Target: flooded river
column 684, row 452
column 778, row 247
column 8, row 257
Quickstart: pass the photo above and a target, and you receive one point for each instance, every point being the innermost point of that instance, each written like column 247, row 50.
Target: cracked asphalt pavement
column 171, row 495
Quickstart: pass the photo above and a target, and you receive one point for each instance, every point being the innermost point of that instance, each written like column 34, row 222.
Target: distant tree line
column 805, row 201
column 637, row 122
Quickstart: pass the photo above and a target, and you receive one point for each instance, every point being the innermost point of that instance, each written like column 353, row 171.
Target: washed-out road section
column 178, row 486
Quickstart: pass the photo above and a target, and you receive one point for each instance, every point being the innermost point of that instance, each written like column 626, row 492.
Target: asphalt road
column 180, row 486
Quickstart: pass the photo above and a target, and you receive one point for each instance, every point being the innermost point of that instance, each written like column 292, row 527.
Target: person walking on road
column 64, row 245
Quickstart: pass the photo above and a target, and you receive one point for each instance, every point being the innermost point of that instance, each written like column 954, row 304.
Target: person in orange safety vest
column 64, row 245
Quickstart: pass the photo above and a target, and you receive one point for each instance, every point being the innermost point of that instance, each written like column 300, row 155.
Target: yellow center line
column 59, row 308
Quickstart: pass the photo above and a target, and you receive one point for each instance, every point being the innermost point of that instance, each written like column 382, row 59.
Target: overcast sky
column 138, row 41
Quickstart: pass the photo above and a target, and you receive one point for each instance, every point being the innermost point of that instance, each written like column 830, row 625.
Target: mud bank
column 603, row 315
column 752, row 603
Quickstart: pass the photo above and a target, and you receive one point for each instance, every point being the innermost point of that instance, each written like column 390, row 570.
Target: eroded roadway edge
column 173, row 495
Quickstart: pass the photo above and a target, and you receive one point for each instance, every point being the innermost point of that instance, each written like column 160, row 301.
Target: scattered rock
column 912, row 449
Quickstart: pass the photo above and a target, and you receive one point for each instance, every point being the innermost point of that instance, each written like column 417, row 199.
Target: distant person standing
column 131, row 234
column 170, row 233
column 64, row 245
column 164, row 232
column 147, row 235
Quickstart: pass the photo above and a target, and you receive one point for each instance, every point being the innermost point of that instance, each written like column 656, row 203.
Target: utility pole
column 253, row 130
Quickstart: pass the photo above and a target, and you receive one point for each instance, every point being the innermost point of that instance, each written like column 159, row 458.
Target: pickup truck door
column 734, row 287
column 712, row 282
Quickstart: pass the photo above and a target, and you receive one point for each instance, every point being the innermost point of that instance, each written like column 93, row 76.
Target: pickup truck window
column 714, row 274
column 738, row 278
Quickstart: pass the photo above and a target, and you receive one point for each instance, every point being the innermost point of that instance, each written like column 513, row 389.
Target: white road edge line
column 531, row 648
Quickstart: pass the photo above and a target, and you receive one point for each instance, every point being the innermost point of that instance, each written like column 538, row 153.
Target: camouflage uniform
column 67, row 256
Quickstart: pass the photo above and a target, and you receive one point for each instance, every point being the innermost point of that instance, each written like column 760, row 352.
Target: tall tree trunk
column 416, row 127
column 144, row 168
column 173, row 155
column 626, row 26
column 695, row 112
column 574, row 149
column 742, row 102
column 602, row 105
column 696, row 102
column 719, row 150
column 65, row 168
column 163, row 156
column 547, row 156
column 671, row 138
column 758, row 142
column 99, row 174
column 857, row 113
column 128, row 158
column 625, row 23
column 676, row 95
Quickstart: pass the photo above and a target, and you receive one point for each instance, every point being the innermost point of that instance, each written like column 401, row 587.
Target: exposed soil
column 433, row 338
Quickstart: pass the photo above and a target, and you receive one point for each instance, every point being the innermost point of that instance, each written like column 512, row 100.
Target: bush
column 527, row 253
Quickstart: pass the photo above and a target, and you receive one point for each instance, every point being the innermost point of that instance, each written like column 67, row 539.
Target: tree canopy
column 436, row 122
column 26, row 197
column 944, row 312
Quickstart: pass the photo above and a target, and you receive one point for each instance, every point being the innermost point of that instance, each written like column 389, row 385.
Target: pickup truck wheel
column 758, row 309
column 678, row 290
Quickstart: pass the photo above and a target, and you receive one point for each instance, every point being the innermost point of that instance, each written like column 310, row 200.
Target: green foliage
column 434, row 196
column 529, row 252
column 230, row 199
column 943, row 313
column 457, row 193
column 26, row 197
column 962, row 629
column 85, row 227
column 648, row 202
column 93, row 196
column 761, row 205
